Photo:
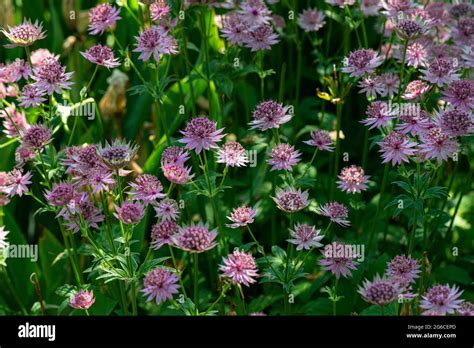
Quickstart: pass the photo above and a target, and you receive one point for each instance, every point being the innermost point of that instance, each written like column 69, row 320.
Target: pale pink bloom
column 241, row 216
column 284, row 157
column 305, row 237
column 353, row 179
column 396, row 148
column 240, row 267
column 82, row 299
column 160, row 284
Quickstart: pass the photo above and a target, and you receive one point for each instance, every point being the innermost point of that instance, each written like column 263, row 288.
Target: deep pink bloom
column 102, row 17
column 155, row 41
column 129, row 213
column 378, row 115
column 311, row 20
column 441, row 300
column 336, row 212
column 396, row 148
column 51, row 76
column 353, row 179
column 321, row 139
column 36, row 136
column 195, row 238
column 82, row 299
column 441, row 71
column 305, row 237
column 240, row 267
column 201, row 134
column 37, row 56
column 261, row 38
column 160, row 284
column 241, row 216
column 232, row 154
column 31, row 96
column 284, row 157
column 162, row 233
column 416, row 55
column 270, row 114
column 23, row 154
column 147, row 188
column 167, row 210
column 361, row 62
column 380, row 291
column 460, row 94
column 291, row 199
column 101, row 55
column 415, row 89
column 24, row 34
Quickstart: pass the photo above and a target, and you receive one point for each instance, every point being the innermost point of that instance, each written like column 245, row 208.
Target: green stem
column 175, row 265
column 222, row 294
column 196, row 280
column 338, row 146
column 309, row 164
column 379, row 206
column 334, row 302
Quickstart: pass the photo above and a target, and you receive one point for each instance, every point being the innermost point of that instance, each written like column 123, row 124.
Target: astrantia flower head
column 3, row 237
column 415, row 89
column 14, row 120
column 396, row 148
column 84, row 211
column 466, row 309
column 25, row 34
column 51, row 76
column 341, row 3
column 241, row 216
column 291, row 199
column 159, row 10
column 195, row 238
column 436, row 144
column 102, row 17
column 174, row 155
column 390, row 83
column 305, row 237
column 338, row 264
column 37, row 56
column 37, row 136
column 117, row 154
column 261, row 38
column 160, row 284
column 463, row 31
column 254, row 13
column 311, row 20
column 270, row 114
column 441, row 71
column 99, row 178
column 455, row 122
column 284, row 157
column 393, row 7
column 409, row 28
column 414, row 122
column 378, row 115
column 232, row 154
column 336, row 212
column 18, row 183
column 416, row 54
column 235, row 29
column 361, row 62
column 129, row 213
column 177, row 174
column 380, row 291
column 460, row 94
column 201, row 134
column 441, row 300
column 240, row 267
column 31, row 96
column 167, row 209
column 461, row 9
column 353, row 179
column 371, row 86
column 146, row 187
column 321, row 139
column 82, row 299
column 162, row 233
column 403, row 270
column 60, row 194
column 370, row 7
column 155, row 41
column 101, row 55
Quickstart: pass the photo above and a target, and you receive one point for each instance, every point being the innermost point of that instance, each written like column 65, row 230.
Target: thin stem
column 379, row 206
column 92, row 78
column 310, row 163
column 338, row 146
column 175, row 265
column 222, row 294
column 334, row 302
column 196, row 280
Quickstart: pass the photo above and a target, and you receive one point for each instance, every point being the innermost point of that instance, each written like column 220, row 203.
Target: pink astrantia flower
column 396, row 148
column 415, row 89
column 460, row 94
column 235, row 29
column 51, row 76
column 37, row 136
column 117, row 154
column 378, row 115
column 129, row 213
column 311, row 20
column 102, row 17
column 436, row 144
column 25, row 34
column 321, row 139
column 99, row 178
column 155, row 41
column 463, row 31
column 261, row 38
column 195, row 238
column 14, row 120
column 200, row 134
column 18, row 183
column 241, row 216
column 174, row 155
column 393, row 7
column 455, row 122
column 370, row 7
column 31, row 96
column 338, row 263
column 60, row 194
column 159, row 10
column 160, row 284
column 291, row 199
column 162, row 233
column 390, row 82
column 336, row 212
column 284, row 157
column 3, row 237
column 84, row 211
column 305, row 237
column 37, row 56
column 353, row 179
column 101, row 55
column 371, row 86
column 177, row 174
column 361, row 62
column 441, row 300
column 240, row 267
column 380, row 291
column 147, row 188
column 167, row 210
column 403, row 270
column 413, row 122
column 232, row 154
column 21, row 69
column 82, row 299
column 270, row 114
column 466, row 309
column 416, row 55
column 254, row 13
column 440, row 71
